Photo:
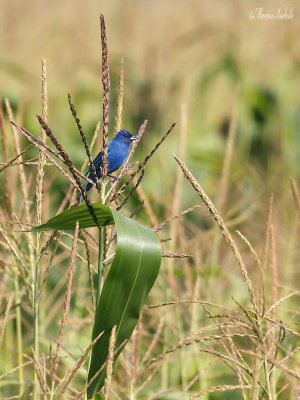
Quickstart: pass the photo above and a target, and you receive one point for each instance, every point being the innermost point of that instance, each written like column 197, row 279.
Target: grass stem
column 101, row 250
column 100, row 265
column 19, row 332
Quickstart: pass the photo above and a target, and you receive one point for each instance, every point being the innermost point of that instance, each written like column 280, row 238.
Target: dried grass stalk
column 100, row 370
column 224, row 230
column 176, row 255
column 39, row 373
column 263, row 271
column 12, row 161
column 84, row 140
column 92, row 145
column 74, row 370
column 67, row 199
column 295, row 194
column 6, row 316
column 219, row 388
column 155, row 338
column 42, row 157
column 106, row 89
column 88, row 258
column 38, row 144
column 132, row 190
column 67, row 297
column 274, row 271
column 273, row 306
column 147, row 207
column 232, row 351
column 139, row 135
column 23, row 179
column 250, row 247
column 18, row 257
column 255, row 377
column 69, row 164
column 16, row 369
column 110, row 361
column 44, row 374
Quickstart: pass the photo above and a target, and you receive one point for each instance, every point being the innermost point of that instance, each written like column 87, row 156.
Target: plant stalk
column 101, row 250
column 100, row 265
column 19, row 333
column 36, row 317
column 267, row 377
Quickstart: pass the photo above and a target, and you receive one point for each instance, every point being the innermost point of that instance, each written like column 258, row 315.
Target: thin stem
column 19, row 333
column 267, row 377
column 52, row 389
column 36, row 322
column 100, row 265
column 25, row 194
column 39, row 203
column 101, row 250
column 132, row 392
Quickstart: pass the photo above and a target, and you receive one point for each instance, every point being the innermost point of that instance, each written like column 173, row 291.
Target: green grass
column 205, row 67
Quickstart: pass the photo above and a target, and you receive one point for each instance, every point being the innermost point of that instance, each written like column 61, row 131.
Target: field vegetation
column 221, row 192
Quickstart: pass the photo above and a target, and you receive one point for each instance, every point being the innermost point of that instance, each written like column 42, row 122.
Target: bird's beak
column 133, row 137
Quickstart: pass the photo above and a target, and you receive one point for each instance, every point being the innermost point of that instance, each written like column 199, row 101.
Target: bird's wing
column 98, row 160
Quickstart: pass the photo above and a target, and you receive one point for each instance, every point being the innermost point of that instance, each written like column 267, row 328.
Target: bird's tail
column 87, row 187
column 79, row 198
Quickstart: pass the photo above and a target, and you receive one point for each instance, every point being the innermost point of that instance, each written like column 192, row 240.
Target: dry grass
column 224, row 319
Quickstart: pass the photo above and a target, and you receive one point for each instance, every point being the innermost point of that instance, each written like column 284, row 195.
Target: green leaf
column 129, row 280
column 67, row 219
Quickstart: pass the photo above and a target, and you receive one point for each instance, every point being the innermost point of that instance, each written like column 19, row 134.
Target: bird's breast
column 116, row 156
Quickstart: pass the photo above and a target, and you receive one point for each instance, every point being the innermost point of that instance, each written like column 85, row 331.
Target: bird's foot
column 114, row 178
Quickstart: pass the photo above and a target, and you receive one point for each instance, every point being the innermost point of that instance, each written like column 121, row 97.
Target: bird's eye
column 126, row 135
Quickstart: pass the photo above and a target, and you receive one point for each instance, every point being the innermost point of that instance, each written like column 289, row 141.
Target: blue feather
column 117, row 151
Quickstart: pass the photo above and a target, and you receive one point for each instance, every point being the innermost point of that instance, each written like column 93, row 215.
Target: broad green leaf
column 130, row 278
column 67, row 219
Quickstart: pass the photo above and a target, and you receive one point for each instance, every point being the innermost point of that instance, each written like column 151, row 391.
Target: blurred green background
column 193, row 52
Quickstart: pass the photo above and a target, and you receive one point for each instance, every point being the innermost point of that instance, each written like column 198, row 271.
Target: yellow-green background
column 206, row 55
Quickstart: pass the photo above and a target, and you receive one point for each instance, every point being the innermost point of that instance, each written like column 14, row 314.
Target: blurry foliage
column 174, row 52
column 199, row 63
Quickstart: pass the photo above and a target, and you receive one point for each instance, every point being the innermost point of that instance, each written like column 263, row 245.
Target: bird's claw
column 114, row 178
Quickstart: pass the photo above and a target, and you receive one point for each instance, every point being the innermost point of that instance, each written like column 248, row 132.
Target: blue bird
column 117, row 151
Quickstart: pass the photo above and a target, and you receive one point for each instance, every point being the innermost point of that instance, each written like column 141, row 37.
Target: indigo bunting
column 117, row 151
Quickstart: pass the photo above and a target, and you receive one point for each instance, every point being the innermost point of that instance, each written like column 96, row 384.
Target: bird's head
column 124, row 136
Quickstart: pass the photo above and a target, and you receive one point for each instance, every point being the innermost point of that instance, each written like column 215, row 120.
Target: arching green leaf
column 130, row 279
column 67, row 219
